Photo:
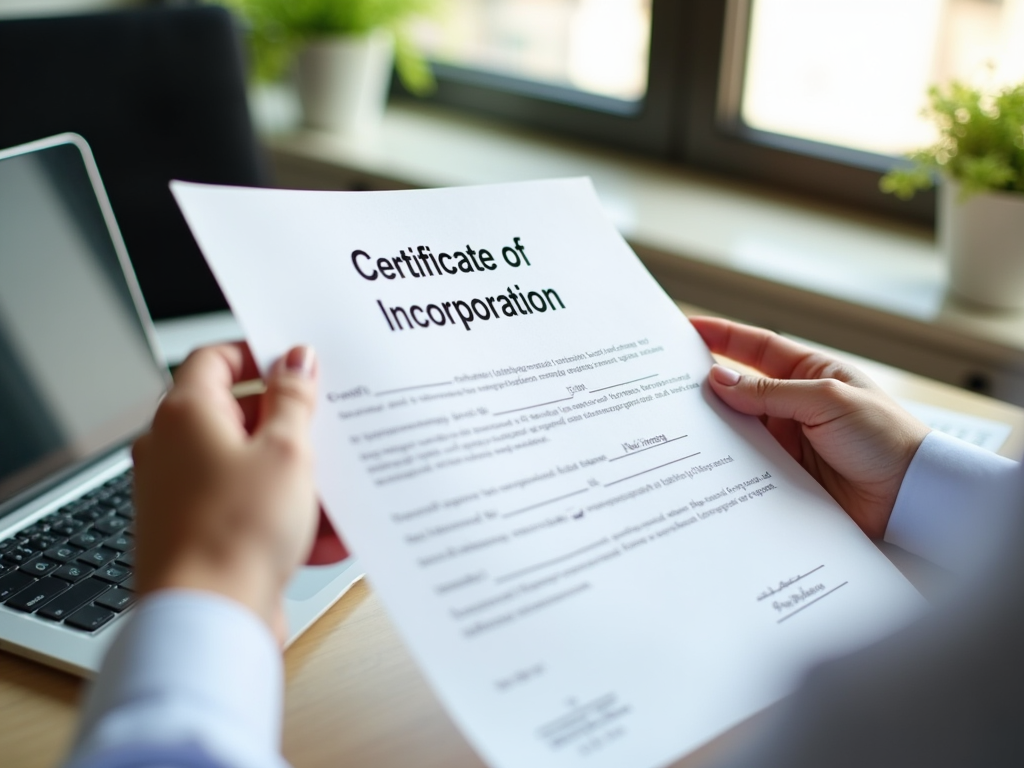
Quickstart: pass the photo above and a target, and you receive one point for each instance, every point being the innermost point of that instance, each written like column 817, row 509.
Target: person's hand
column 224, row 490
column 852, row 437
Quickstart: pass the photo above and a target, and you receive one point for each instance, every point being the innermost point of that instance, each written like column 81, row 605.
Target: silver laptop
column 80, row 377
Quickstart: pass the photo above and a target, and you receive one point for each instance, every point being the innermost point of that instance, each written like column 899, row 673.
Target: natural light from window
column 596, row 46
column 854, row 72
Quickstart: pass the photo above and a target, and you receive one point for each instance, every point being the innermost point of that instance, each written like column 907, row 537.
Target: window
column 595, row 69
column 595, row 47
column 853, row 73
column 817, row 96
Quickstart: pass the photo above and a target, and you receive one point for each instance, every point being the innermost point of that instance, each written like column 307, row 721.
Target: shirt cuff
column 954, row 501
column 193, row 679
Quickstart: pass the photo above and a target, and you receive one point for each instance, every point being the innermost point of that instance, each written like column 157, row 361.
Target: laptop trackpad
column 310, row 579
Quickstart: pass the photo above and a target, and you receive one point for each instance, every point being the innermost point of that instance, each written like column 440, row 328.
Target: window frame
column 690, row 115
column 714, row 137
column 646, row 128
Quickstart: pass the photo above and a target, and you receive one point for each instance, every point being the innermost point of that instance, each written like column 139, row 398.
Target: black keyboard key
column 98, row 556
column 13, row 583
column 73, row 572
column 7, row 545
column 113, row 573
column 117, row 599
column 43, row 526
column 63, row 553
column 89, row 618
column 90, row 513
column 75, row 506
column 127, row 558
column 103, row 492
column 87, row 539
column 19, row 556
column 67, row 527
column 122, row 542
column 35, row 544
column 118, row 503
column 37, row 595
column 64, row 605
column 119, row 485
column 128, row 583
column 39, row 567
column 109, row 525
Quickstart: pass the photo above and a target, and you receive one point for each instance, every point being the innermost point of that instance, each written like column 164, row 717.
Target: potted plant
column 980, row 156
column 343, row 52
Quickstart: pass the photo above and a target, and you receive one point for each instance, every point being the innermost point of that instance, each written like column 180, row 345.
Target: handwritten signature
column 769, row 591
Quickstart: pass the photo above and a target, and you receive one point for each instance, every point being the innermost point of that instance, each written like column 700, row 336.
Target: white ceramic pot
column 343, row 81
column 983, row 240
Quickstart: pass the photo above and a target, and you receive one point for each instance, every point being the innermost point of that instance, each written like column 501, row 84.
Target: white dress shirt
column 196, row 680
column 954, row 503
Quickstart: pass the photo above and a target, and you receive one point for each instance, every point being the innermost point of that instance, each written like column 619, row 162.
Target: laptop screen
column 77, row 374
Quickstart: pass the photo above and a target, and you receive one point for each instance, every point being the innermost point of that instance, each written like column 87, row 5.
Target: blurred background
column 847, row 72
column 851, row 73
column 749, row 135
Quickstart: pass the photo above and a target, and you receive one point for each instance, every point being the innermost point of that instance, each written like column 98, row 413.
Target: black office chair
column 159, row 94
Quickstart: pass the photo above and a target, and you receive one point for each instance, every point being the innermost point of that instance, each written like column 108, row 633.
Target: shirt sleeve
column 195, row 680
column 955, row 500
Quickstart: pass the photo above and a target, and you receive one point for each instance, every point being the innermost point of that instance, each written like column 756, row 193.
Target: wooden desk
column 354, row 695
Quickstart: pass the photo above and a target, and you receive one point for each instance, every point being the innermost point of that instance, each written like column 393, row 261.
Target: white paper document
column 595, row 562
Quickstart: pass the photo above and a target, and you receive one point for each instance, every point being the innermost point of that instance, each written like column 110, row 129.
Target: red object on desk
column 327, row 547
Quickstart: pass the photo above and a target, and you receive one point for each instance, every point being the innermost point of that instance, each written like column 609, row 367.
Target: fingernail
column 300, row 360
column 726, row 376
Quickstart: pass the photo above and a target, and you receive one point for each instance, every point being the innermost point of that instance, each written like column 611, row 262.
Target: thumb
column 807, row 401
column 288, row 404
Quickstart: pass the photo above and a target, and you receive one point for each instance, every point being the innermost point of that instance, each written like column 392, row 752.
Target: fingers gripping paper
column 595, row 562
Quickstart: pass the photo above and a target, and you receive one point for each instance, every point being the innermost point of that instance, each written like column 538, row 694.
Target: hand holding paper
column 843, row 429
column 225, row 492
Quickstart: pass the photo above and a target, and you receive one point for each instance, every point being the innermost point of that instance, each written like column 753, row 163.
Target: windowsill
column 848, row 280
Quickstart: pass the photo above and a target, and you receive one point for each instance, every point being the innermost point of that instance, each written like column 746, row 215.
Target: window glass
column 595, row 46
column 854, row 73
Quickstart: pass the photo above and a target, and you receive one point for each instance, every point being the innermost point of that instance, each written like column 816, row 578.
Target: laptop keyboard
column 74, row 566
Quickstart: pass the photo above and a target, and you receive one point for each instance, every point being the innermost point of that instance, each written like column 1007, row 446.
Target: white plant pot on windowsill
column 982, row 238
column 343, row 81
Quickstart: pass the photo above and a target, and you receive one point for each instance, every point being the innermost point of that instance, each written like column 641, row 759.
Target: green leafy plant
column 278, row 28
column 981, row 142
